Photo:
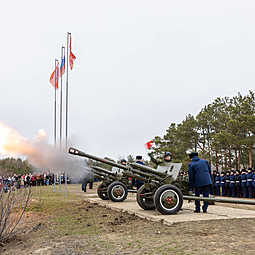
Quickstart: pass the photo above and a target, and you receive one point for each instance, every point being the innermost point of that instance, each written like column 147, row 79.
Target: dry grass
column 73, row 226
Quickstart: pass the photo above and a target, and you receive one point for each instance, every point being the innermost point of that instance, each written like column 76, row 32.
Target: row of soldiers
column 234, row 183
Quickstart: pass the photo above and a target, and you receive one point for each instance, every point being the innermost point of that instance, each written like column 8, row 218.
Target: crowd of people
column 234, row 183
column 28, row 180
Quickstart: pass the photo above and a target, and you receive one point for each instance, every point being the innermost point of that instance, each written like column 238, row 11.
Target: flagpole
column 55, row 106
column 67, row 67
column 61, row 96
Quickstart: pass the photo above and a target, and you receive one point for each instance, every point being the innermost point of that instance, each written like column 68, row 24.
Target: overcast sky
column 140, row 65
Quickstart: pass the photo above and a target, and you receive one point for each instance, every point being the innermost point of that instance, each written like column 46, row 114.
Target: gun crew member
column 200, row 179
column 163, row 165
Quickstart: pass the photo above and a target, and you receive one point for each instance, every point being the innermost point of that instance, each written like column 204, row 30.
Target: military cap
column 193, row 154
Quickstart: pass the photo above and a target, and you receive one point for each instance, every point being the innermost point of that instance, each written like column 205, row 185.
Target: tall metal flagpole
column 67, row 67
column 55, row 105
column 60, row 126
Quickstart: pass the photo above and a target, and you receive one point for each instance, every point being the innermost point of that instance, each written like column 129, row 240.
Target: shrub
column 13, row 205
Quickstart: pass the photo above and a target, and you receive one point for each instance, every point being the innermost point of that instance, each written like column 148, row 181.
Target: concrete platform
column 215, row 212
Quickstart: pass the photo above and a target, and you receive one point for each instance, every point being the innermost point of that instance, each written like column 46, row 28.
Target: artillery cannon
column 107, row 178
column 158, row 191
column 114, row 186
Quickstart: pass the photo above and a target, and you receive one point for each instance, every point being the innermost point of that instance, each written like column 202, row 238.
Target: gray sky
column 140, row 65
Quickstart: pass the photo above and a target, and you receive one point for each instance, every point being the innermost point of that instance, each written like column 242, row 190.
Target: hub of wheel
column 169, row 199
column 118, row 191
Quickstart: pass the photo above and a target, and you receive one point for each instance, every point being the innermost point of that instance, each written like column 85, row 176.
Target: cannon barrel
column 99, row 173
column 135, row 176
column 106, row 161
column 144, row 174
column 148, row 169
column 102, row 176
column 100, row 169
column 134, row 173
column 99, row 176
column 138, row 169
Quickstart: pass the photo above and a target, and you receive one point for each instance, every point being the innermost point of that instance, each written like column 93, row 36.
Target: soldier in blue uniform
column 227, row 182
column 243, row 183
column 89, row 179
column 217, row 183
column 232, row 184
column 222, row 183
column 213, row 182
column 253, row 180
column 238, row 183
column 249, row 182
column 200, row 178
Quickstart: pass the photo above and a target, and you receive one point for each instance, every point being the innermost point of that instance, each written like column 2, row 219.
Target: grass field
column 60, row 224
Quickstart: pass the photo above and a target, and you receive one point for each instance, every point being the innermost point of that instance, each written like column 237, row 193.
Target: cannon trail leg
column 144, row 201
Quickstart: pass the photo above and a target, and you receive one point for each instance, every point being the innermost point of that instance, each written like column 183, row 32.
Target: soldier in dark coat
column 238, row 183
column 249, row 182
column 217, row 183
column 253, row 180
column 243, row 183
column 227, row 182
column 200, row 179
column 222, row 183
column 214, row 192
column 89, row 179
column 232, row 184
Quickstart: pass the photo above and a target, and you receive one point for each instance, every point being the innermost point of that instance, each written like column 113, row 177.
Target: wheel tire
column 101, row 193
column 168, row 199
column 117, row 191
column 144, row 203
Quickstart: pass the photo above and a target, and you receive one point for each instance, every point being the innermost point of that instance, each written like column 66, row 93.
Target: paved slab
column 215, row 212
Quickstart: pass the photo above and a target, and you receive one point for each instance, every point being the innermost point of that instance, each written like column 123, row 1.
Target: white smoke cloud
column 40, row 153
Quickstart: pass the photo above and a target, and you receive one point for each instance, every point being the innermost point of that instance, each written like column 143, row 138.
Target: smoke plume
column 41, row 154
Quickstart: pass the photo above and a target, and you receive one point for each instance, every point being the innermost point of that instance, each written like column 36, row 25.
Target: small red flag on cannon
column 149, row 144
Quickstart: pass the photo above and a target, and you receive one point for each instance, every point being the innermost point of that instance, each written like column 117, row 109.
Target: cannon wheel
column 117, row 191
column 168, row 199
column 144, row 202
column 101, row 191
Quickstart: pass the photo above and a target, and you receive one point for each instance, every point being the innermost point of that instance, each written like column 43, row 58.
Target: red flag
column 71, row 56
column 55, row 77
column 149, row 144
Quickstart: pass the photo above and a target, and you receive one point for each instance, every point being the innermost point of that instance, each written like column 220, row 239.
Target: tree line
column 10, row 166
column 223, row 132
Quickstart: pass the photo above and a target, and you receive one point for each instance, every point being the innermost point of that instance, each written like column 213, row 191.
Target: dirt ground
column 56, row 224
